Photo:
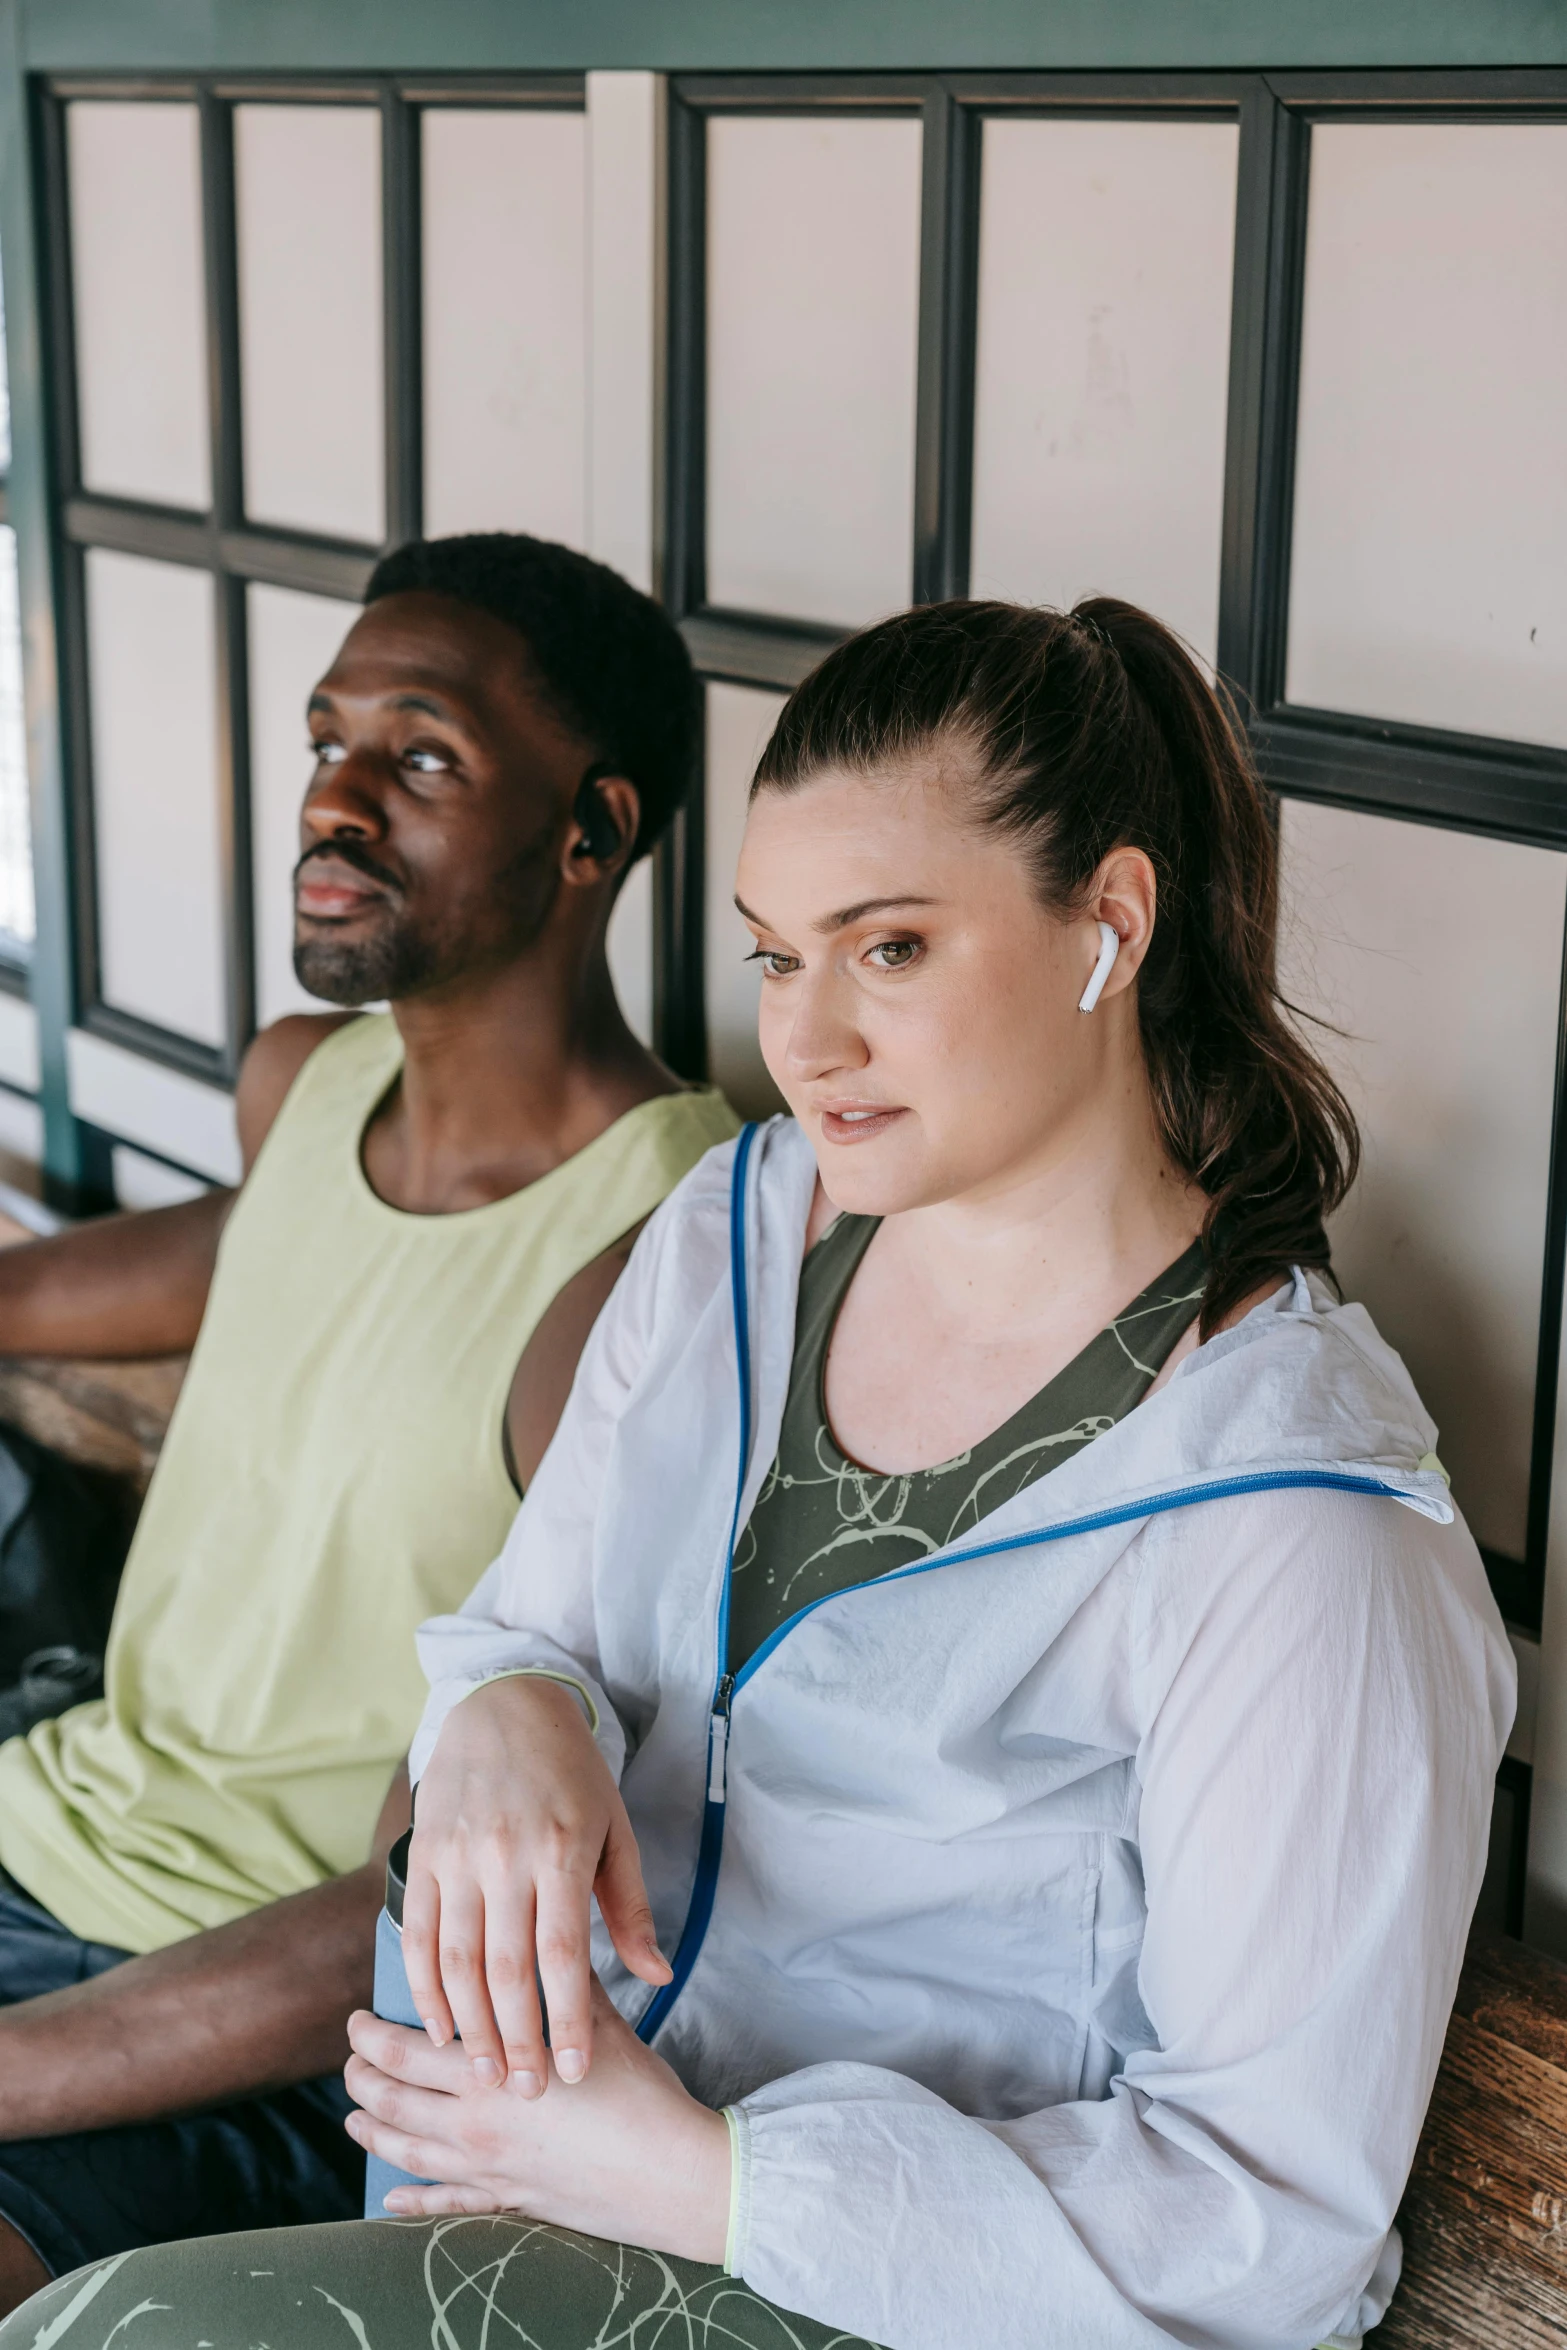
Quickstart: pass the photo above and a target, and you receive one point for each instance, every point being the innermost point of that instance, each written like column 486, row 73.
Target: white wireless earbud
column 1109, row 948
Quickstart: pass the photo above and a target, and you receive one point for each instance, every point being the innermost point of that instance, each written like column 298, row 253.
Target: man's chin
column 340, row 976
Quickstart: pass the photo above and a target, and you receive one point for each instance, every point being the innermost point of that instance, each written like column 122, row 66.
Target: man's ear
column 604, row 817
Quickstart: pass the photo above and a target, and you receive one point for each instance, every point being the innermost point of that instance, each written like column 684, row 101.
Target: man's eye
column 427, row 762
column 328, row 754
column 895, row 954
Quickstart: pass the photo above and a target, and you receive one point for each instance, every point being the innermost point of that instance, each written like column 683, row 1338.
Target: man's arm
column 124, row 1286
column 549, row 1360
column 263, row 2002
column 233, row 2012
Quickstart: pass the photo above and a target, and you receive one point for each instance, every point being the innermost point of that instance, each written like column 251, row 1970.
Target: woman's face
column 919, row 1006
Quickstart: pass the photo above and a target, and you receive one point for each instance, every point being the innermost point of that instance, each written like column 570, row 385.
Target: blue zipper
column 710, row 1850
column 727, row 1685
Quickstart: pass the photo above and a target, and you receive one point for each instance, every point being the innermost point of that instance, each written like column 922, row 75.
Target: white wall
column 812, row 322
column 505, row 303
column 1107, row 251
column 1431, row 471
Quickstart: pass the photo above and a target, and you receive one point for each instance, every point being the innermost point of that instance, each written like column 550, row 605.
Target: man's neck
column 505, row 1075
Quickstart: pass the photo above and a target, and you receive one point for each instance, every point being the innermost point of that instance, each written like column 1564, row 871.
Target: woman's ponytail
column 1095, row 730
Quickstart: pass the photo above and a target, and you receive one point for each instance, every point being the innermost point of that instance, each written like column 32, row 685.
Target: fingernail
column 527, row 2084
column 485, row 2073
column 657, row 1956
column 436, row 2031
column 570, row 2063
column 353, row 2125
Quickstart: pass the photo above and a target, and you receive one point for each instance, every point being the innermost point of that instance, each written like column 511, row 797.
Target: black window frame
column 16, row 960
column 1500, row 789
column 1490, row 787
column 224, row 542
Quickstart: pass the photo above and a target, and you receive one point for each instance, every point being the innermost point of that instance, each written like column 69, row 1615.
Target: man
column 389, row 1310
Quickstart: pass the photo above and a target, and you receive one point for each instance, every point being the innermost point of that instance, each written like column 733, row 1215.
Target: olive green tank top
column 333, row 1474
column 822, row 1524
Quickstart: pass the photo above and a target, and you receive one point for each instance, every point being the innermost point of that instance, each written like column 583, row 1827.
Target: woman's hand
column 629, row 2155
column 519, row 1824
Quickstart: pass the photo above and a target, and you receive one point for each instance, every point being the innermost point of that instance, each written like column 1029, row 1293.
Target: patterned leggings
column 426, row 2284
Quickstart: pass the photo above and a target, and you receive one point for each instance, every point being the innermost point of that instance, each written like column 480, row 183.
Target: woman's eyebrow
column 863, row 906
column 827, row 923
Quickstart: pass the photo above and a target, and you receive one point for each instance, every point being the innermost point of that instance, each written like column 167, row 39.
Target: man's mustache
column 350, row 852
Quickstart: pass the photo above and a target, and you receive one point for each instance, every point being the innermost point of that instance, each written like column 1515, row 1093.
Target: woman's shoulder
column 1300, row 1370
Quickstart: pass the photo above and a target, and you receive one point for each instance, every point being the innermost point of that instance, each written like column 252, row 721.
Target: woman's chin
column 875, row 1178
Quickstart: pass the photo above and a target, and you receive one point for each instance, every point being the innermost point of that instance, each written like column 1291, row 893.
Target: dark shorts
column 268, row 2162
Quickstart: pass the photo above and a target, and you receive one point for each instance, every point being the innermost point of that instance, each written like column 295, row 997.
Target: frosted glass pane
column 739, row 721
column 150, row 643
column 1106, row 257
column 136, row 268
column 1391, row 932
column 308, row 192
column 505, row 322
column 813, row 234
column 629, row 945
column 293, row 640
column 16, row 837
column 1431, row 472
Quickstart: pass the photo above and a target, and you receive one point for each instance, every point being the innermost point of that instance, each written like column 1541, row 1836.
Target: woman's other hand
column 519, row 1824
column 629, row 2155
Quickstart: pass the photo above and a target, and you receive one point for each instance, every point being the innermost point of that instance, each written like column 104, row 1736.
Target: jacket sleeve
column 533, row 1611
column 1321, row 1690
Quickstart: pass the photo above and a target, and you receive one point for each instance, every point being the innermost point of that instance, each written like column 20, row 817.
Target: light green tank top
column 333, row 1474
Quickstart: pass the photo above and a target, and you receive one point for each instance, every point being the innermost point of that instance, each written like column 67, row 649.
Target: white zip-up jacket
column 1070, row 1921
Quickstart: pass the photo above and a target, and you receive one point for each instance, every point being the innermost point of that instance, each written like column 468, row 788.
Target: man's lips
column 329, row 891
column 858, row 1121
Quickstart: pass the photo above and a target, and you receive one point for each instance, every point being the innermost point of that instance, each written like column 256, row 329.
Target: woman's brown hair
column 1093, row 730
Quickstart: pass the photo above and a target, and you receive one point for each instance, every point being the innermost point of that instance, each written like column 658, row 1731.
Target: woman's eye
column 427, row 762
column 328, row 754
column 774, row 964
column 895, row 954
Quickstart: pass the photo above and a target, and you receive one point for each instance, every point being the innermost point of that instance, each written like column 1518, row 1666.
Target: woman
column 989, row 1611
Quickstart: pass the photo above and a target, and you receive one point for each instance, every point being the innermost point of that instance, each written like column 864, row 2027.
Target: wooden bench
column 1485, row 2217
column 109, row 1417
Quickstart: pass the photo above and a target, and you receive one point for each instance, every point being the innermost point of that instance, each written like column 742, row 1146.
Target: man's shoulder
column 271, row 1064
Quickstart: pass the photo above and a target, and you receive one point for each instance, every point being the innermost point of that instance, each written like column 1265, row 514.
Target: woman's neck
column 1088, row 1223
column 964, row 1308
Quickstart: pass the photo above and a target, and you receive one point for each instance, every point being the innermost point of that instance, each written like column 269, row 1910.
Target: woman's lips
column 857, row 1125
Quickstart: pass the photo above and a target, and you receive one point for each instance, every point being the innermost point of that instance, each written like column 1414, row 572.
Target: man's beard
column 404, row 958
column 397, row 962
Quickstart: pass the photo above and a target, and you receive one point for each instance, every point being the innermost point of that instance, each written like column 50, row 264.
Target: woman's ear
column 1125, row 895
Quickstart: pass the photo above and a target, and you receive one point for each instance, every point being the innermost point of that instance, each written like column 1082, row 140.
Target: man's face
column 432, row 828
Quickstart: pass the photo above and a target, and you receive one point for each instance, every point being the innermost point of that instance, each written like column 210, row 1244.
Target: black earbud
column 600, row 833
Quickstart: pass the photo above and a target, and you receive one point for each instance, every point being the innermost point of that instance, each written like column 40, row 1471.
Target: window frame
column 16, row 957
column 1504, row 790
column 224, row 542
column 1500, row 789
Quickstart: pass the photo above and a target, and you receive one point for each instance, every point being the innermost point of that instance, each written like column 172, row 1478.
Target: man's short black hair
column 610, row 661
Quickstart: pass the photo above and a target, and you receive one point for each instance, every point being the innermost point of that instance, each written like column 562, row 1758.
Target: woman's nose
column 823, row 1035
